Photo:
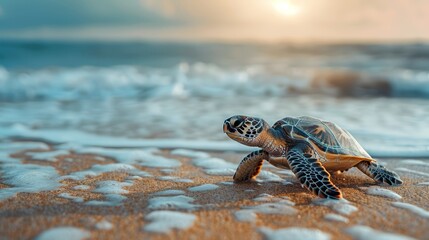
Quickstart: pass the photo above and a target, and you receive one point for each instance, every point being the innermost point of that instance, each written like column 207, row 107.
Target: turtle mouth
column 235, row 137
column 227, row 128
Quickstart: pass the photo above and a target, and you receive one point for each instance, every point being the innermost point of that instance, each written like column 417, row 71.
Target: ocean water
column 184, row 91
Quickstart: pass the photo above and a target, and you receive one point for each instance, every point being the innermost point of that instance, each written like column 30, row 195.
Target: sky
column 229, row 20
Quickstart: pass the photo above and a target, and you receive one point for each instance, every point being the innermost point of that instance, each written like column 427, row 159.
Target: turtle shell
column 330, row 141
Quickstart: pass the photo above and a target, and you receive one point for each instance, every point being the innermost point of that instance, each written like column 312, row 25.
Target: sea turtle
column 310, row 147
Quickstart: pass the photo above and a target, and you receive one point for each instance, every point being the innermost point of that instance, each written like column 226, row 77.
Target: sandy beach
column 196, row 199
column 126, row 119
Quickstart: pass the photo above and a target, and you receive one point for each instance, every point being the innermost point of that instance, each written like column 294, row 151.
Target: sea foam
column 294, row 233
column 378, row 191
column 410, row 171
column 412, row 208
column 146, row 158
column 175, row 202
column 112, row 187
column 203, row 188
column 98, row 169
column 104, row 225
column 169, row 192
column 64, row 233
column 367, row 233
column 7, row 148
column 336, row 218
column 341, row 206
column 71, row 197
column 415, row 162
column 27, row 178
column 165, row 221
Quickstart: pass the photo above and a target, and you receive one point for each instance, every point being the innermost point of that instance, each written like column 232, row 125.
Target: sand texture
column 132, row 204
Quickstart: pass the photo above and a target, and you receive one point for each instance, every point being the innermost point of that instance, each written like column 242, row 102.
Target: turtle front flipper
column 379, row 173
column 310, row 172
column 250, row 166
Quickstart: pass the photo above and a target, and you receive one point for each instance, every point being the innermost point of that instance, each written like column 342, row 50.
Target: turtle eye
column 237, row 122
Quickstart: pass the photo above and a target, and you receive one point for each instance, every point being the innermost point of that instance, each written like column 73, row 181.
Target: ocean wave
column 398, row 83
column 203, row 80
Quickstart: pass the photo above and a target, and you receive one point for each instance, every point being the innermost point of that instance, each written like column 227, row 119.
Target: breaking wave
column 203, row 80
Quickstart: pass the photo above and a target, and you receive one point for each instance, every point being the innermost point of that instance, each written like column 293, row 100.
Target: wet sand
column 27, row 215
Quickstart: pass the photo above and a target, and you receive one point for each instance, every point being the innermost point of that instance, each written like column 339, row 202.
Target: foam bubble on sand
column 48, row 156
column 273, row 208
column 29, row 178
column 415, row 162
column 341, row 206
column 165, row 221
column 412, row 208
column 190, row 153
column 248, row 214
column 175, row 179
column 228, row 183
column 264, row 197
column 100, row 158
column 366, row 233
column 104, row 225
column 336, row 218
column 167, row 170
column 215, row 166
column 378, row 191
column 134, row 178
column 169, row 192
column 211, row 166
column 294, row 233
column 167, row 178
column 278, row 205
column 183, row 180
column 266, row 176
column 111, row 200
column 98, row 169
column 81, row 187
column 204, row 187
column 245, row 215
column 64, row 233
column 12, row 147
column 145, row 157
column 412, row 171
column 423, row 183
column 112, row 191
column 113, row 187
column 73, row 198
column 7, row 148
column 221, row 172
column 176, row 202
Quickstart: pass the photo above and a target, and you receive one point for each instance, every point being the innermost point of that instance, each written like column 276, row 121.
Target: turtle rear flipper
column 250, row 166
column 379, row 173
column 311, row 173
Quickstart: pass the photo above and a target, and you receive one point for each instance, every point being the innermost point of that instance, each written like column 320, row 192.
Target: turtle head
column 245, row 130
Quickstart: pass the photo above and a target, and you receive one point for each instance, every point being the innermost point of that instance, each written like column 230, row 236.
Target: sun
column 286, row 8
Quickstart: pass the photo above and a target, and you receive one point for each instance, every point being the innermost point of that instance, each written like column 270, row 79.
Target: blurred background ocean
column 176, row 88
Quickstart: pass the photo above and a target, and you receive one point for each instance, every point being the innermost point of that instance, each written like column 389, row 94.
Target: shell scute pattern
column 327, row 136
